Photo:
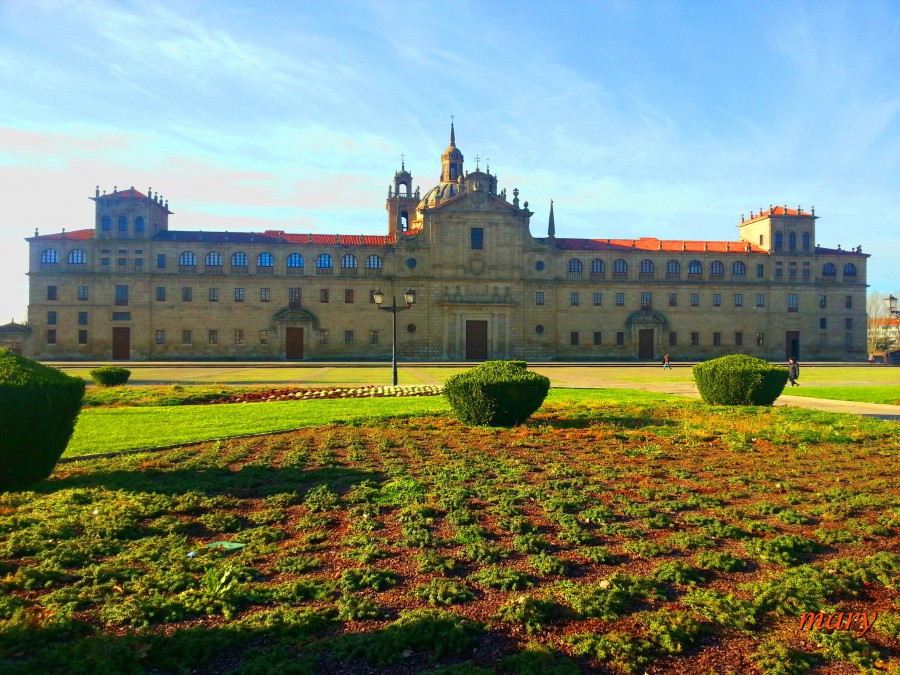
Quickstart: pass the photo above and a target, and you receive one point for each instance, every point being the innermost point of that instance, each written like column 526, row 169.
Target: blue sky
column 667, row 119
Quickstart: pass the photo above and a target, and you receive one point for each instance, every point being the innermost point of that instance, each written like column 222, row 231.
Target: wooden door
column 293, row 343
column 121, row 344
column 645, row 343
column 476, row 340
column 792, row 344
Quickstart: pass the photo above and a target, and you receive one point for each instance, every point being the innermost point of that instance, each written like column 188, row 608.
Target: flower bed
column 309, row 393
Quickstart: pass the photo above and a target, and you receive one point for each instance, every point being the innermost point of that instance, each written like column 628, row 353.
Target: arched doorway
column 647, row 328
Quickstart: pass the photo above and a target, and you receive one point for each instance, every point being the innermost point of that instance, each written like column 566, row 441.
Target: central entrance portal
column 476, row 340
column 645, row 343
column 293, row 342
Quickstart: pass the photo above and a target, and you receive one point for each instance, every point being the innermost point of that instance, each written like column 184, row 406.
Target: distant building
column 14, row 336
column 131, row 288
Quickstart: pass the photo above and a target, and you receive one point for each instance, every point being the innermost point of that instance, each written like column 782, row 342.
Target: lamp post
column 410, row 298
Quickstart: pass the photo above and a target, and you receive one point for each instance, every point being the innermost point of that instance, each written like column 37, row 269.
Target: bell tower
column 401, row 201
column 451, row 160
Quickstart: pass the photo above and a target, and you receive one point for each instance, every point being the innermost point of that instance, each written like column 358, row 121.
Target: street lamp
column 410, row 297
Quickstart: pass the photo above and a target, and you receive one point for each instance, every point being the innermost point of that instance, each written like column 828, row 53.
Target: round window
column 411, row 263
column 411, row 328
column 539, row 329
column 539, row 265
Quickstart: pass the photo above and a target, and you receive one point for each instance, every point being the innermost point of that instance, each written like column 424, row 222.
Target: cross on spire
column 403, row 162
column 477, row 164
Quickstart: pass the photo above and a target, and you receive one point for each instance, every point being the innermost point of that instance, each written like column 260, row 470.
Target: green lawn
column 863, row 393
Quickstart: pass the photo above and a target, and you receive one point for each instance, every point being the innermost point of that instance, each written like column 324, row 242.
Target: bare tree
column 880, row 337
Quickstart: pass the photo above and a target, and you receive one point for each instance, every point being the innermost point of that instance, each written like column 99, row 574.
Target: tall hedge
column 38, row 409
column 739, row 380
column 496, row 393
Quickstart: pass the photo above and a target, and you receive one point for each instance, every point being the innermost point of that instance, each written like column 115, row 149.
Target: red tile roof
column 650, row 244
column 778, row 211
column 74, row 234
column 130, row 193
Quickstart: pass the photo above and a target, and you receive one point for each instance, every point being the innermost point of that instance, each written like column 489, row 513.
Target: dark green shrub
column 38, row 408
column 739, row 379
column 110, row 376
column 496, row 393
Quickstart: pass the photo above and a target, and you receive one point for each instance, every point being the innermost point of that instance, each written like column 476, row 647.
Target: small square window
column 477, row 236
column 323, row 295
column 51, row 293
column 760, row 271
column 160, row 293
column 373, row 337
column 760, row 300
column 348, row 295
column 186, row 337
column 213, row 337
column 793, row 302
column 598, row 299
column 574, row 299
column 823, row 323
column 213, row 294
column 187, row 294
column 238, row 337
column 717, row 299
column 82, row 318
column 238, row 294
column 539, row 298
column 717, row 339
column 695, row 339
column 695, row 299
column 646, row 300
column 160, row 261
column 573, row 338
column 673, row 339
column 620, row 338
column 122, row 296
column 51, row 318
column 598, row 337
column 848, row 302
column 673, row 299
column 738, row 299
column 760, row 339
column 264, row 337
column 51, row 336
column 348, row 337
column 738, row 339
column 82, row 337
column 160, row 337
column 620, row 299
column 82, row 292
column 264, row 294
column 823, row 301
column 323, row 337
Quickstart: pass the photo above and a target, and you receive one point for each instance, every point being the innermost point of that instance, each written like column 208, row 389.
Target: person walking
column 793, row 371
column 871, row 359
column 666, row 365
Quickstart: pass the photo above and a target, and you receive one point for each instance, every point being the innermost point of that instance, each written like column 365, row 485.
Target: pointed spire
column 551, row 226
column 452, row 135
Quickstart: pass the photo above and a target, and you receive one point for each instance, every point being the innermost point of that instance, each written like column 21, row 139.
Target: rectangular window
column 187, row 294
column 348, row 296
column 823, row 323
column 539, row 298
column 239, row 337
column 82, row 318
column 121, row 316
column 848, row 323
column 779, row 272
column 792, row 274
column 51, row 293
column 848, row 302
column 760, row 339
column 823, row 301
column 848, row 340
column 121, row 296
column 186, row 337
column 738, row 299
column 264, row 294
column 82, row 292
column 51, row 336
column 264, row 337
column 673, row 339
column 238, row 294
column 160, row 337
column 213, row 294
column 82, row 337
column 695, row 339
column 738, row 339
column 160, row 293
column 620, row 299
column 598, row 299
column 323, row 295
column 598, row 337
column 373, row 337
column 646, row 300
column 717, row 339
column 760, row 271
column 348, row 337
column 51, row 318
column 760, row 300
column 806, row 275
column 213, row 336
column 160, row 261
column 574, row 298
column 294, row 297
column 122, row 262
column 573, row 338
column 105, row 263
column 139, row 265
column 793, row 302
column 477, row 234
column 323, row 337
column 717, row 299
column 620, row 338
column 695, row 299
column 673, row 299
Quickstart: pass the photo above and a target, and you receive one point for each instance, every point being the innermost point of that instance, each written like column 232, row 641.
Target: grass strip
column 864, row 394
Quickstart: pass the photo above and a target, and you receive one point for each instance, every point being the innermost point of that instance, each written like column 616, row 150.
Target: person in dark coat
column 793, row 371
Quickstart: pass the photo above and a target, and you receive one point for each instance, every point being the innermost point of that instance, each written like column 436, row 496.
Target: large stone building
column 131, row 288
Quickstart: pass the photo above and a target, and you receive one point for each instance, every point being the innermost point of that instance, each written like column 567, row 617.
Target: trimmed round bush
column 739, row 379
column 110, row 376
column 38, row 409
column 496, row 393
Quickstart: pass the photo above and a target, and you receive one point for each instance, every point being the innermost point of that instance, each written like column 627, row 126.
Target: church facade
column 130, row 288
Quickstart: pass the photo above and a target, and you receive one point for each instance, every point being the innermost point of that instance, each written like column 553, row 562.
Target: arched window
column 265, row 260
column 139, row 224
column 829, row 270
column 105, row 224
column 673, row 267
column 49, row 255
column 620, row 267
column 295, row 260
column 738, row 269
column 695, row 267
column 187, row 259
column 779, row 241
column 239, row 259
column 716, row 267
column 76, row 257
column 805, row 239
column 849, row 270
column 213, row 259
column 349, row 262
column 598, row 266
column 373, row 262
column 123, row 224
column 646, row 266
column 575, row 265
column 792, row 241
column 324, row 262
